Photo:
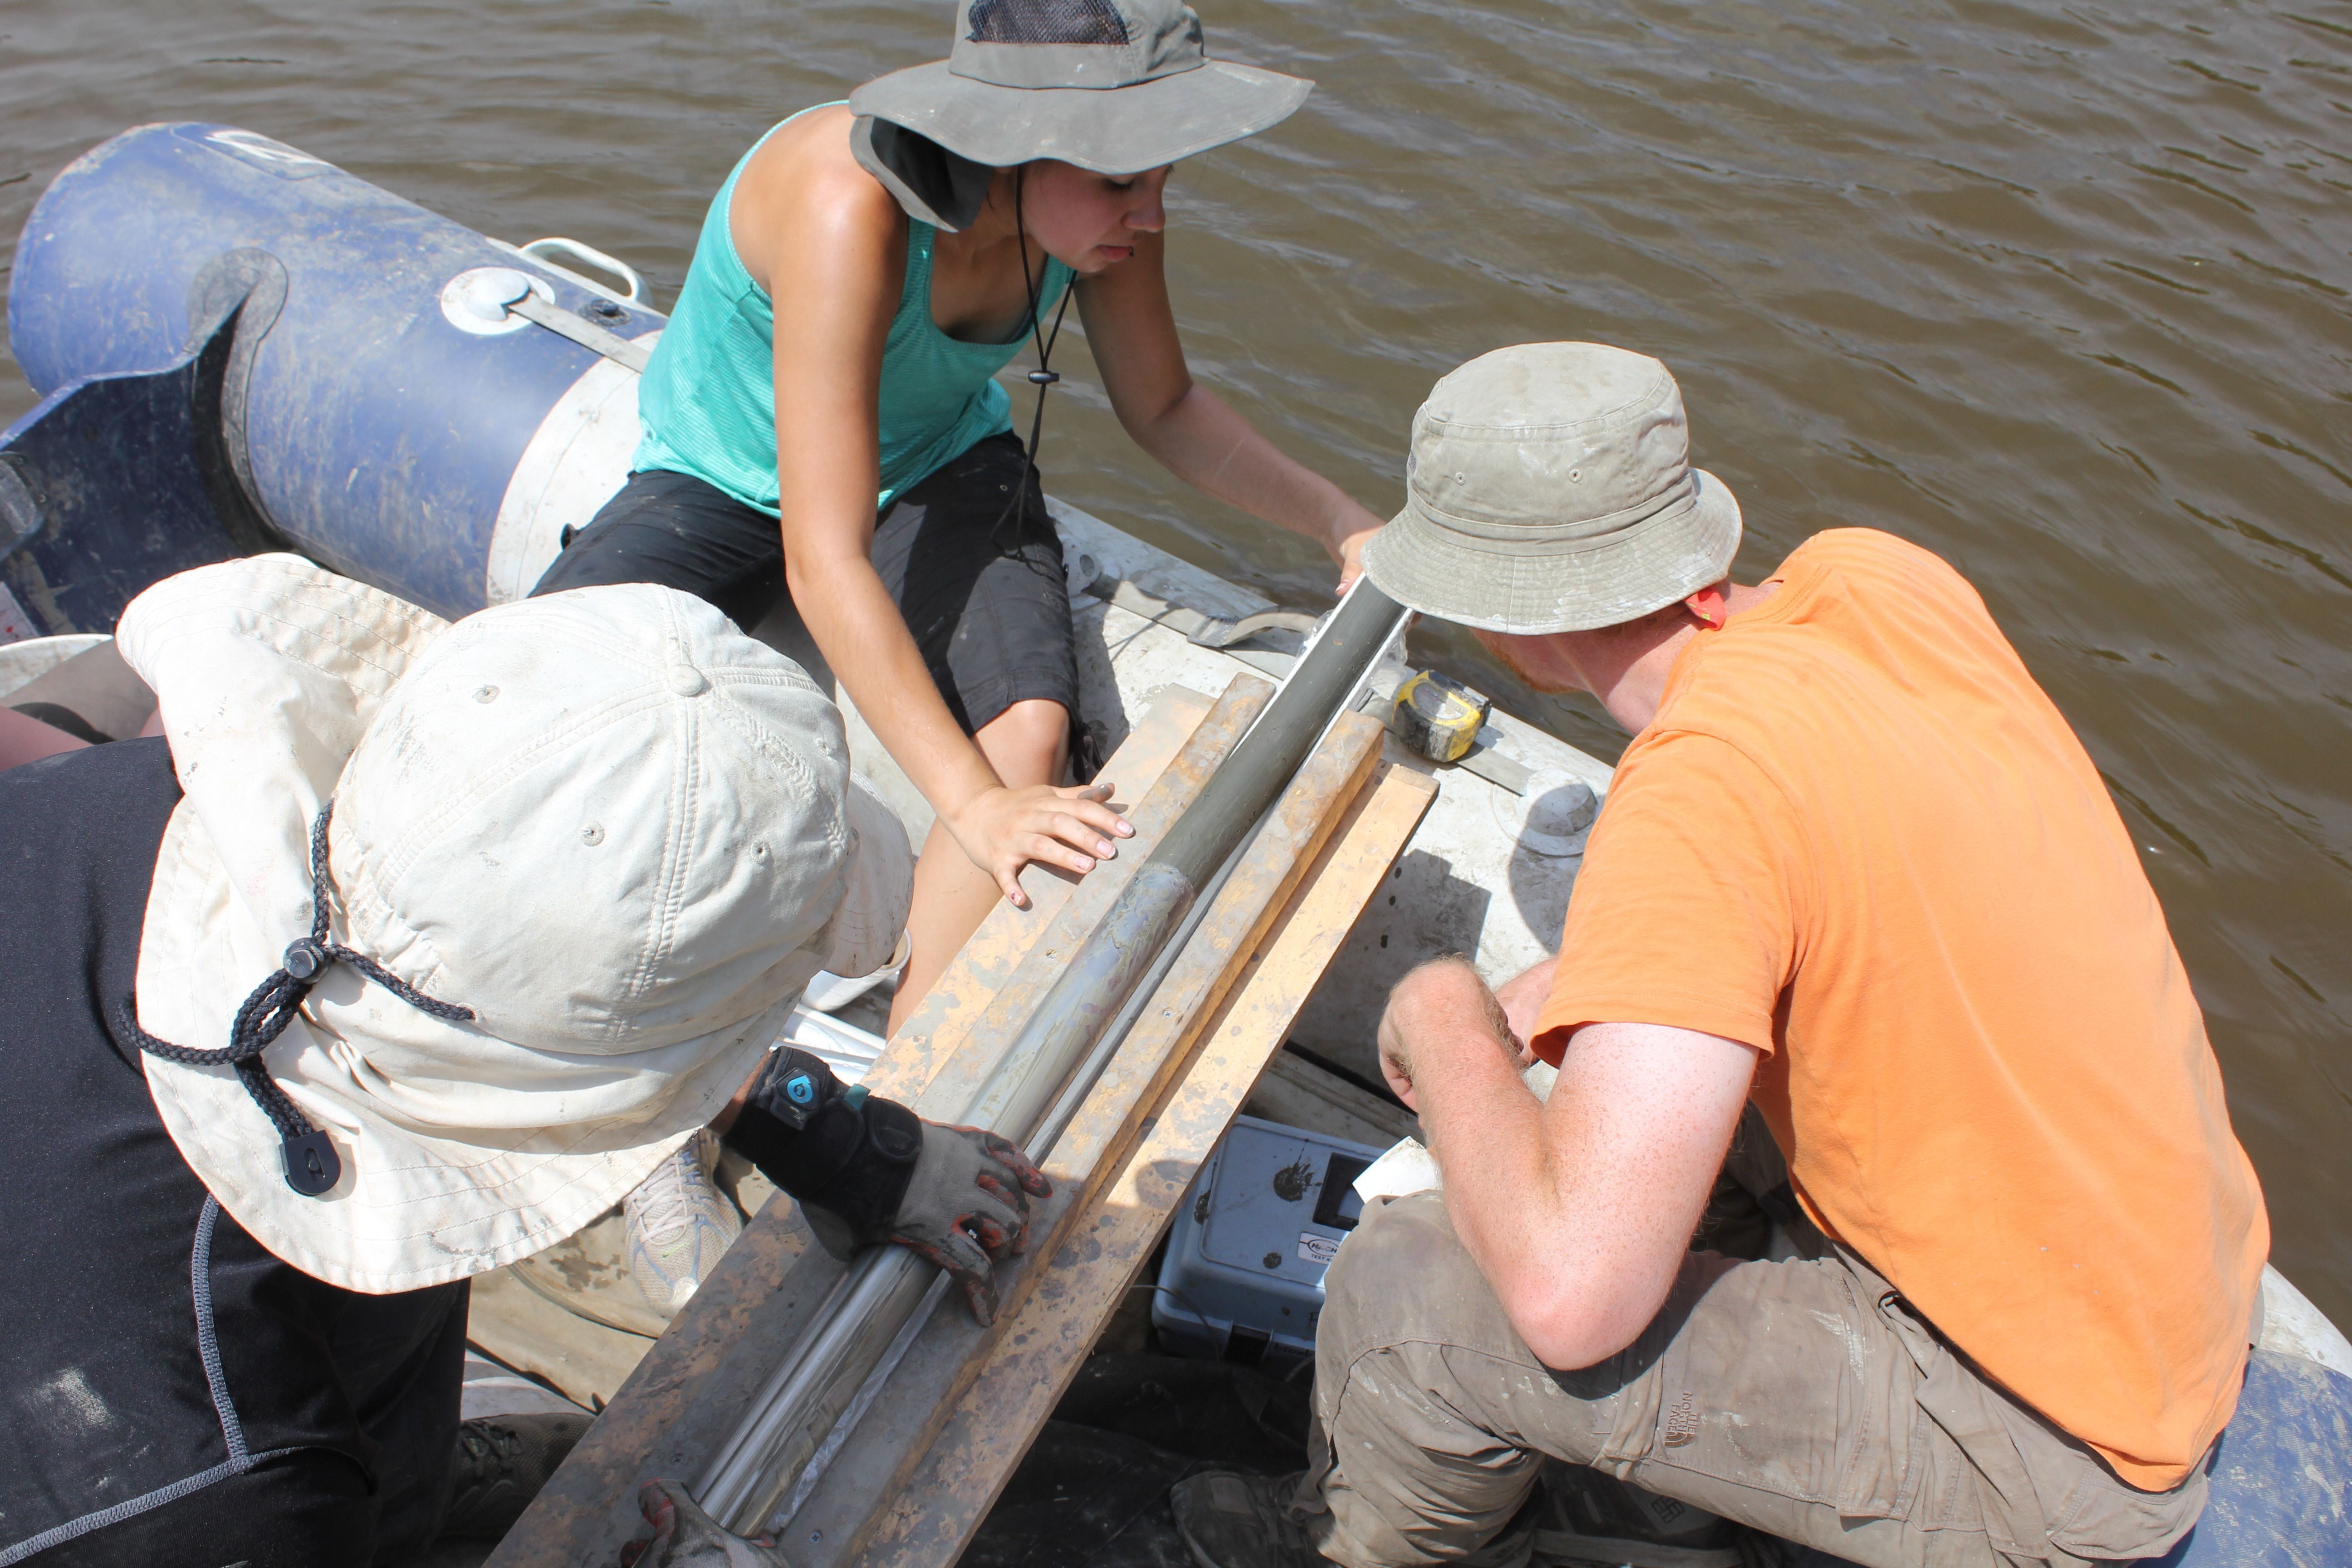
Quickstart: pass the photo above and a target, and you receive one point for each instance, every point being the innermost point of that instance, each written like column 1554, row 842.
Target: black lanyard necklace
column 1044, row 375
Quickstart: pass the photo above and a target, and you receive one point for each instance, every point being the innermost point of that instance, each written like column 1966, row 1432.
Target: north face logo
column 1682, row 1421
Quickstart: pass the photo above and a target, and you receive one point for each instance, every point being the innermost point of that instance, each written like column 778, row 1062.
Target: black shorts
column 176, row 1397
column 978, row 580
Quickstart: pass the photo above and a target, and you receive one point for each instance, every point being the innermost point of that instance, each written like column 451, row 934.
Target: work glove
column 686, row 1537
column 966, row 1207
column 868, row 1171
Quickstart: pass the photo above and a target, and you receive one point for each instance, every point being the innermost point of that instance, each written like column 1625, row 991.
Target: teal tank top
column 707, row 403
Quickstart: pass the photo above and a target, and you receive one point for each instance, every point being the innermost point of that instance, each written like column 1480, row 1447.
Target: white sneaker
column 679, row 1225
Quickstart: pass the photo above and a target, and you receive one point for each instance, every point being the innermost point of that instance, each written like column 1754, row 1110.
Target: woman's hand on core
column 1351, row 531
column 1003, row 829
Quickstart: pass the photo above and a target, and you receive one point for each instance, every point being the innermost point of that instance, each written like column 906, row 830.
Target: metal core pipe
column 754, row 1470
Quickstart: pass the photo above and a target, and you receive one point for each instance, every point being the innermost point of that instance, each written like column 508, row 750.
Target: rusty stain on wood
column 945, row 1073
column 878, row 1461
column 937, row 1503
column 686, row 1392
column 990, row 958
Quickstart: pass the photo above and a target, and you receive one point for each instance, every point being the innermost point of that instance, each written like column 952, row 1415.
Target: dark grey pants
column 978, row 579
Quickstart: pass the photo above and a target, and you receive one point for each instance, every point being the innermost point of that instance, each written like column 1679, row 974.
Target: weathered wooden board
column 1297, row 1093
column 948, row 1352
column 935, row 1504
column 689, row 1391
column 987, row 982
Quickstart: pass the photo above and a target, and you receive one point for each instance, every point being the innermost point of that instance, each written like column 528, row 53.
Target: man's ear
column 1708, row 604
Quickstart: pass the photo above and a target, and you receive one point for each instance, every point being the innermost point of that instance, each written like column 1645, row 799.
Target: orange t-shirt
column 1860, row 839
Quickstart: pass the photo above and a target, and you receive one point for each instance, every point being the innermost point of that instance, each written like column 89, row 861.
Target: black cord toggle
column 312, row 1167
column 1045, row 376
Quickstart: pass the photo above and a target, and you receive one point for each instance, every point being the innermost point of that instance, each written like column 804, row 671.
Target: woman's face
column 1088, row 221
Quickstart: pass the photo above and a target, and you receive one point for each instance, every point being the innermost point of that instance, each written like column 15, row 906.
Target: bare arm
column 1579, row 1209
column 829, row 243
column 1191, row 430
column 1523, row 997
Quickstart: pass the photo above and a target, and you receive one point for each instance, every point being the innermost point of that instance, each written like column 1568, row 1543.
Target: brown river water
column 2063, row 291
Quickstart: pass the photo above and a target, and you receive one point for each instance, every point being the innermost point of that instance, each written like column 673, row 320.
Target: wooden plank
column 586, row 1276
column 947, row 1353
column 687, row 1392
column 939, row 1504
column 1296, row 1093
column 941, row 1080
column 988, row 960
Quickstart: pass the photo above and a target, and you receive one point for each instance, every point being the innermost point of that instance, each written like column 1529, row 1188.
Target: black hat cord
column 312, row 1167
column 1044, row 375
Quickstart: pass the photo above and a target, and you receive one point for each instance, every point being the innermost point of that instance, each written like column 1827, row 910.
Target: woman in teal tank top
column 822, row 416
column 707, row 402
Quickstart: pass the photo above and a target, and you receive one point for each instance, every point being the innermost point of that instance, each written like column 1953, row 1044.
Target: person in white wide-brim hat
column 407, row 951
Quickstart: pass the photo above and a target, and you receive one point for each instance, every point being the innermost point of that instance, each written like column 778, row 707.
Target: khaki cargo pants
column 1800, row 1397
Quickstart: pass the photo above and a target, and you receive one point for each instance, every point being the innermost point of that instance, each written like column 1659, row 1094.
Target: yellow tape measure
column 1438, row 717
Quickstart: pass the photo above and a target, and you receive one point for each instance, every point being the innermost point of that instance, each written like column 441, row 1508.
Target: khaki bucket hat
column 580, row 855
column 1113, row 86
column 1549, row 489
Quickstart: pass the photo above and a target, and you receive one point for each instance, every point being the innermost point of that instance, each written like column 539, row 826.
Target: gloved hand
column 686, row 1537
column 868, row 1171
column 965, row 1206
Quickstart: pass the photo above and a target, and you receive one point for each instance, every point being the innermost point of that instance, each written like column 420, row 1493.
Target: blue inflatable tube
column 342, row 400
column 242, row 348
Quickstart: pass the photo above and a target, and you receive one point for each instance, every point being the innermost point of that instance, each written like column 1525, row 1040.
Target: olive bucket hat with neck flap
column 1113, row 86
column 1549, row 488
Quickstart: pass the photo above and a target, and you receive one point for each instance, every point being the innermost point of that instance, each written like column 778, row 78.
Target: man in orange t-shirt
column 1854, row 869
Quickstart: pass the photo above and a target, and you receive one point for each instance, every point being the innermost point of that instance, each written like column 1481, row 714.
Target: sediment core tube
column 753, row 1470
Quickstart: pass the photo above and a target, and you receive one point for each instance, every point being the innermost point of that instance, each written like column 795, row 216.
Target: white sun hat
column 612, row 832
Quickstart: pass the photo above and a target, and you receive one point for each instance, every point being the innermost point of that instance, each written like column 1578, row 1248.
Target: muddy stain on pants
column 1801, row 1397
